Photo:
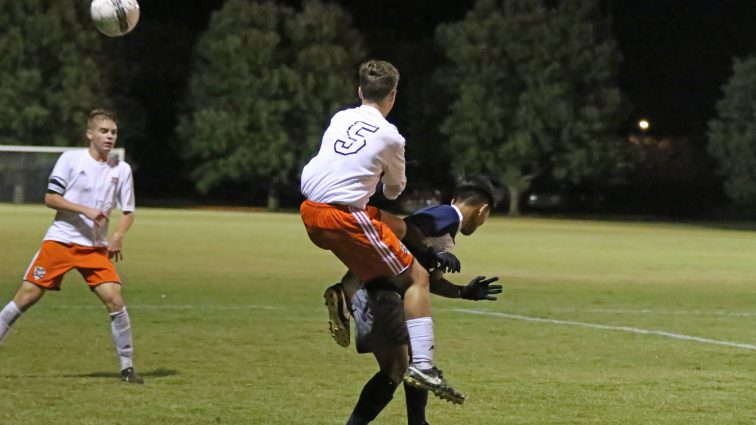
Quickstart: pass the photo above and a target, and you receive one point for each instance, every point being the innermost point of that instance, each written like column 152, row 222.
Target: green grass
column 229, row 327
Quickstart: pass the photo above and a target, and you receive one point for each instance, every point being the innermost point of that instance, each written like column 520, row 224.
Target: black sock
column 417, row 399
column 376, row 394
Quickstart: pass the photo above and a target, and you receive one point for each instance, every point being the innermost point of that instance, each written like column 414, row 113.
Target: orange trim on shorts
column 357, row 237
column 54, row 259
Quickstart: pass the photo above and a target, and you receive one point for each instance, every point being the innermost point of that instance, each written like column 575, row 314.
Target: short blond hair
column 99, row 114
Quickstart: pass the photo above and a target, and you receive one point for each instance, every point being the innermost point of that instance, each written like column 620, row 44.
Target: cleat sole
column 338, row 326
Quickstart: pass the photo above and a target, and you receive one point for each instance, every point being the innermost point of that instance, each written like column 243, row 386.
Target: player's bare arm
column 115, row 244
column 416, row 240
column 58, row 202
column 479, row 288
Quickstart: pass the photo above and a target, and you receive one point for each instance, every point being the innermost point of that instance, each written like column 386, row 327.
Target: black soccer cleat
column 128, row 375
column 433, row 380
column 338, row 314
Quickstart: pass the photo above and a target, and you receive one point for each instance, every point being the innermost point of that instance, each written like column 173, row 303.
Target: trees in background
column 53, row 69
column 533, row 91
column 732, row 133
column 266, row 79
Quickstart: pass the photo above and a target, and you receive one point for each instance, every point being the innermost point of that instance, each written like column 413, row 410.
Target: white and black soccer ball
column 114, row 18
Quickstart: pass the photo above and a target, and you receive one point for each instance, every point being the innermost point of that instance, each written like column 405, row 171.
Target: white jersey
column 358, row 146
column 83, row 180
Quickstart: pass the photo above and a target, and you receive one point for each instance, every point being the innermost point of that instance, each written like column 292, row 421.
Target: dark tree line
column 517, row 89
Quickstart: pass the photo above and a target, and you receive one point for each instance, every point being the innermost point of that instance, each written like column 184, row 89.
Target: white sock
column 421, row 341
column 8, row 315
column 120, row 325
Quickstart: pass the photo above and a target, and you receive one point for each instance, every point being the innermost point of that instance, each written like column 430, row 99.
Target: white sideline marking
column 608, row 327
column 652, row 311
column 169, row 307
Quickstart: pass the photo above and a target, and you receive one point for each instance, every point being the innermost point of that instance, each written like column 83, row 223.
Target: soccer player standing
column 359, row 149
column 83, row 188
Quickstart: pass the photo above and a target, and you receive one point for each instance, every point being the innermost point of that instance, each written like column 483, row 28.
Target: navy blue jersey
column 439, row 224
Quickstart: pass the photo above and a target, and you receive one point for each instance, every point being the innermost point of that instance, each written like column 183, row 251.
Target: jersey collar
column 459, row 213
column 371, row 110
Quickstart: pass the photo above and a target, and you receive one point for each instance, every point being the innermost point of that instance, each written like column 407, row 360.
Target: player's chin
column 467, row 231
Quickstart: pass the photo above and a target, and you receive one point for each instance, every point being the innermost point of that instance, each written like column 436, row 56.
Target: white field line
column 96, row 306
column 652, row 311
column 607, row 327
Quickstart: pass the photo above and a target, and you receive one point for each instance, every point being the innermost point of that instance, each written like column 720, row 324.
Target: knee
column 113, row 303
column 28, row 294
column 114, row 306
column 397, row 374
column 395, row 371
column 420, row 276
column 415, row 276
column 110, row 295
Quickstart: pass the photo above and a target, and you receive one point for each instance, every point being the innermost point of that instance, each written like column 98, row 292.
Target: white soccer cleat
column 433, row 380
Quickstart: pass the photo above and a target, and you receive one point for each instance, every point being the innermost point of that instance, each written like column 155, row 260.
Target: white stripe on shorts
column 372, row 234
column 31, row 263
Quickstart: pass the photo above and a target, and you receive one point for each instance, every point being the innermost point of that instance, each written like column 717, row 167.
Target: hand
column 115, row 255
column 480, row 288
column 114, row 248
column 447, row 261
column 98, row 216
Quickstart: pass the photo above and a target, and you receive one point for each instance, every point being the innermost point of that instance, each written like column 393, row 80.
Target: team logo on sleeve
column 356, row 136
column 39, row 272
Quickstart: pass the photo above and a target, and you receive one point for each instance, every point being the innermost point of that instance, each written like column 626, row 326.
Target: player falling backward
column 359, row 149
column 83, row 188
column 377, row 307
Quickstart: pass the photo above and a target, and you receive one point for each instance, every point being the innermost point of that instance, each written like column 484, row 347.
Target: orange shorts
column 358, row 237
column 54, row 259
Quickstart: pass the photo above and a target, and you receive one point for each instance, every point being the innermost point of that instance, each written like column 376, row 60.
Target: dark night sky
column 676, row 53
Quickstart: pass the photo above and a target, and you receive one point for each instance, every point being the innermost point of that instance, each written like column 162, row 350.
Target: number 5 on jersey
column 356, row 136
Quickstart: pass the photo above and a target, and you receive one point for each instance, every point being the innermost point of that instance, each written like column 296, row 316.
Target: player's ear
column 359, row 94
column 392, row 96
column 484, row 209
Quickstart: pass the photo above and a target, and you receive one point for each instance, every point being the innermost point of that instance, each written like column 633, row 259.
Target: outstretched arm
column 479, row 288
column 442, row 287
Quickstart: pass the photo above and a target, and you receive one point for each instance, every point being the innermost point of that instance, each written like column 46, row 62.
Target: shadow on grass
column 155, row 373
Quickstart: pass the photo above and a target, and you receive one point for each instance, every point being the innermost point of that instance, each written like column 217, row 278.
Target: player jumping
column 359, row 149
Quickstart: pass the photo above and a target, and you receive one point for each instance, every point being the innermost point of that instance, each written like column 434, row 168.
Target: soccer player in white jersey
column 84, row 186
column 359, row 149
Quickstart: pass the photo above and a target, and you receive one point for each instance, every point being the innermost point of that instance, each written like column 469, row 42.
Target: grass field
column 599, row 323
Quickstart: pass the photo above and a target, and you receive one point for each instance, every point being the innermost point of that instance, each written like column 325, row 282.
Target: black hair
column 475, row 189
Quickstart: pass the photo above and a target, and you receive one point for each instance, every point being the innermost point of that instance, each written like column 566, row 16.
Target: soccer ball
column 114, row 18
